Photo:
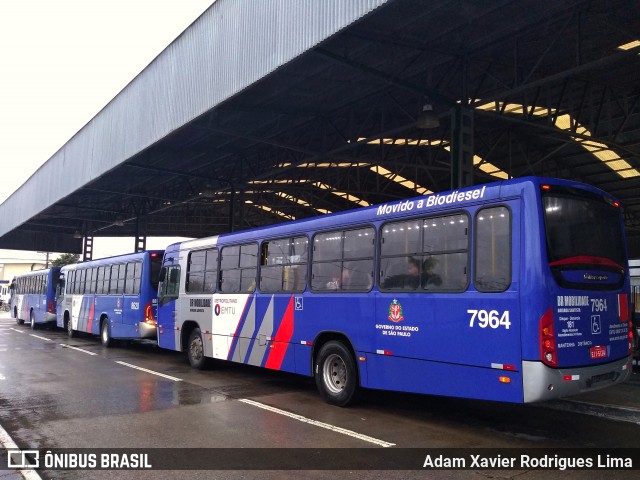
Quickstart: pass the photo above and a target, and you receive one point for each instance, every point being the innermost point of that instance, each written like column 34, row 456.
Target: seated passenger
column 405, row 281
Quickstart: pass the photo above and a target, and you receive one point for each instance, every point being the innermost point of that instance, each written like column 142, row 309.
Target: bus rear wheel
column 32, row 320
column 105, row 334
column 336, row 374
column 195, row 350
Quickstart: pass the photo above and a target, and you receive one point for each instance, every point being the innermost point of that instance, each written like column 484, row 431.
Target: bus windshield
column 583, row 229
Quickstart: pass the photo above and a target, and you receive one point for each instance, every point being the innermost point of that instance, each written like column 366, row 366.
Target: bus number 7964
column 492, row 318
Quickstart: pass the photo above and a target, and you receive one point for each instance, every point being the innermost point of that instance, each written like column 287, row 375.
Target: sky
column 62, row 62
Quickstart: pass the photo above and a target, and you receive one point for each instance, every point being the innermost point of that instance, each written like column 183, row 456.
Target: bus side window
column 238, row 268
column 493, row 249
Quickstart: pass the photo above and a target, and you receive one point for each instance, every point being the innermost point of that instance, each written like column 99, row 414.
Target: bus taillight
column 624, row 308
column 148, row 314
column 548, row 352
column 51, row 307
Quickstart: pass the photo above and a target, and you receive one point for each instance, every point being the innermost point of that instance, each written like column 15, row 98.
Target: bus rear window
column 583, row 229
column 156, row 265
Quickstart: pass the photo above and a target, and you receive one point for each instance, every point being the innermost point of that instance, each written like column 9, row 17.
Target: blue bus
column 113, row 297
column 33, row 297
column 516, row 291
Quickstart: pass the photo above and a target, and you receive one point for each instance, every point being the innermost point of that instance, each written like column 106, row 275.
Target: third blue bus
column 33, row 297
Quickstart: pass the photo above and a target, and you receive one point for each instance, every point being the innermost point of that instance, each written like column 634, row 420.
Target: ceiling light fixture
column 427, row 118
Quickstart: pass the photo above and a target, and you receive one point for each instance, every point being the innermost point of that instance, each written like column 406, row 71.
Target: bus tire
column 32, row 320
column 336, row 374
column 195, row 350
column 105, row 334
column 70, row 332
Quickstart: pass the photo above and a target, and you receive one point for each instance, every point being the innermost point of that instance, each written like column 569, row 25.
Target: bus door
column 132, row 310
column 168, row 288
column 39, row 298
column 116, row 300
column 73, row 288
column 60, row 300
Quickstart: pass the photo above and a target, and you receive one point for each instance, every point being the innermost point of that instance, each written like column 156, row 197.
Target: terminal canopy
column 263, row 112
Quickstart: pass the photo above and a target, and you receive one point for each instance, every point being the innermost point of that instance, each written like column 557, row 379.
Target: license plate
column 598, row 352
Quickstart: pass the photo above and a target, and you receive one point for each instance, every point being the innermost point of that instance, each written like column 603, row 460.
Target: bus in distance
column 514, row 291
column 113, row 297
column 5, row 295
column 33, row 297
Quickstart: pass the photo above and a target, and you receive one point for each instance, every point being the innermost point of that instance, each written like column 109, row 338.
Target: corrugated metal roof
column 239, row 136
column 232, row 45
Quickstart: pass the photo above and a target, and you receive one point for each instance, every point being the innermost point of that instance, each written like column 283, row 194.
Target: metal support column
column 232, row 209
column 461, row 147
column 141, row 237
column 87, row 249
column 141, row 243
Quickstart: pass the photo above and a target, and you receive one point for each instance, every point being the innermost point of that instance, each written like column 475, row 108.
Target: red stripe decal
column 281, row 340
column 91, row 313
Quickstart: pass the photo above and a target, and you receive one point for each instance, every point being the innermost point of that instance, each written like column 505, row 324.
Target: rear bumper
column 544, row 383
column 147, row 331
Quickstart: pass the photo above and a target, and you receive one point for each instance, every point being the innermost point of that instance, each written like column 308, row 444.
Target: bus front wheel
column 32, row 320
column 336, row 374
column 195, row 350
column 70, row 332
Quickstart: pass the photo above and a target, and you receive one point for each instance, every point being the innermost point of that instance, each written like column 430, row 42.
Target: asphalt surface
column 61, row 393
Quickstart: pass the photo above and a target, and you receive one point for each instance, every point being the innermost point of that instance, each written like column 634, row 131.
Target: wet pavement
column 57, row 392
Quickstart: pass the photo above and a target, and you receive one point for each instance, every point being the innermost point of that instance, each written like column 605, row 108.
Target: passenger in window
column 338, row 280
column 405, row 281
column 412, row 279
column 431, row 278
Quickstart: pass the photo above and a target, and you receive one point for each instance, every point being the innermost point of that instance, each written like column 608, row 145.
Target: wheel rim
column 105, row 333
column 196, row 349
column 33, row 321
column 334, row 373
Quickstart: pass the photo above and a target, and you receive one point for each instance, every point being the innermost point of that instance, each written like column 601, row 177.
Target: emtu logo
column 21, row 459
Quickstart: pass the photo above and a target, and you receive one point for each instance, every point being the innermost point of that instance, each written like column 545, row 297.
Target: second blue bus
column 113, row 297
